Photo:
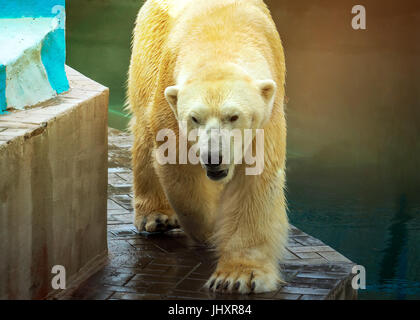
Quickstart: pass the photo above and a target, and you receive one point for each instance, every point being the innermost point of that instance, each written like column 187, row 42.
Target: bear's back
column 153, row 27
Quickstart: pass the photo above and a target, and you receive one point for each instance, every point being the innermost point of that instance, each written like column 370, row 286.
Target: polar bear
column 212, row 65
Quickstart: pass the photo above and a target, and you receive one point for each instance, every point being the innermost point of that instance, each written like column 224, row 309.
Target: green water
column 98, row 45
column 353, row 122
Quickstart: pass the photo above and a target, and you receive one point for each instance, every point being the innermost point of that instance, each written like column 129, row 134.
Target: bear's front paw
column 155, row 222
column 243, row 278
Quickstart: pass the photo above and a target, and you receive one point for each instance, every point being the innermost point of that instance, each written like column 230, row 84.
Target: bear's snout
column 213, row 165
column 217, row 174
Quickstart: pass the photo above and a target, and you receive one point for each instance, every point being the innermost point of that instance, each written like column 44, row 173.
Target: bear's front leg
column 152, row 210
column 252, row 234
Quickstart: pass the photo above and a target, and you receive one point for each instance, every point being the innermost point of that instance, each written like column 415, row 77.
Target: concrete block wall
column 53, row 190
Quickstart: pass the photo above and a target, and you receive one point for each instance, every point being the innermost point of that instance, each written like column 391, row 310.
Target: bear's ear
column 267, row 90
column 171, row 95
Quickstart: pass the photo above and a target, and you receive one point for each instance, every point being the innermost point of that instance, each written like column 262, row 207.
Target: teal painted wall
column 2, row 89
column 53, row 52
column 28, row 8
column 53, row 55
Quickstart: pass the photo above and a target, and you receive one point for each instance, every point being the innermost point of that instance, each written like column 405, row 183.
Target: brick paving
column 170, row 266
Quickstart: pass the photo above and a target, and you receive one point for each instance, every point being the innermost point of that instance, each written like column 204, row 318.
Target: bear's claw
column 156, row 222
column 242, row 281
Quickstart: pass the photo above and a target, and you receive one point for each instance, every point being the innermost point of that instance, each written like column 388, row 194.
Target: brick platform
column 170, row 266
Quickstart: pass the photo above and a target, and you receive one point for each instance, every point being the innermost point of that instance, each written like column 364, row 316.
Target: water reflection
column 359, row 213
column 394, row 262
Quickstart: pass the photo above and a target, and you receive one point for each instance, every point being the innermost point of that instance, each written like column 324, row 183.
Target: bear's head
column 224, row 106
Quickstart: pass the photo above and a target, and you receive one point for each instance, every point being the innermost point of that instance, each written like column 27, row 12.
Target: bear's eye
column 233, row 118
column 194, row 119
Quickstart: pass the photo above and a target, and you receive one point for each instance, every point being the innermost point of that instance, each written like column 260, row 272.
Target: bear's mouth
column 217, row 175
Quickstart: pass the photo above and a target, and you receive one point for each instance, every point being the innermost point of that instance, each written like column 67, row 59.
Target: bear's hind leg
column 152, row 210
